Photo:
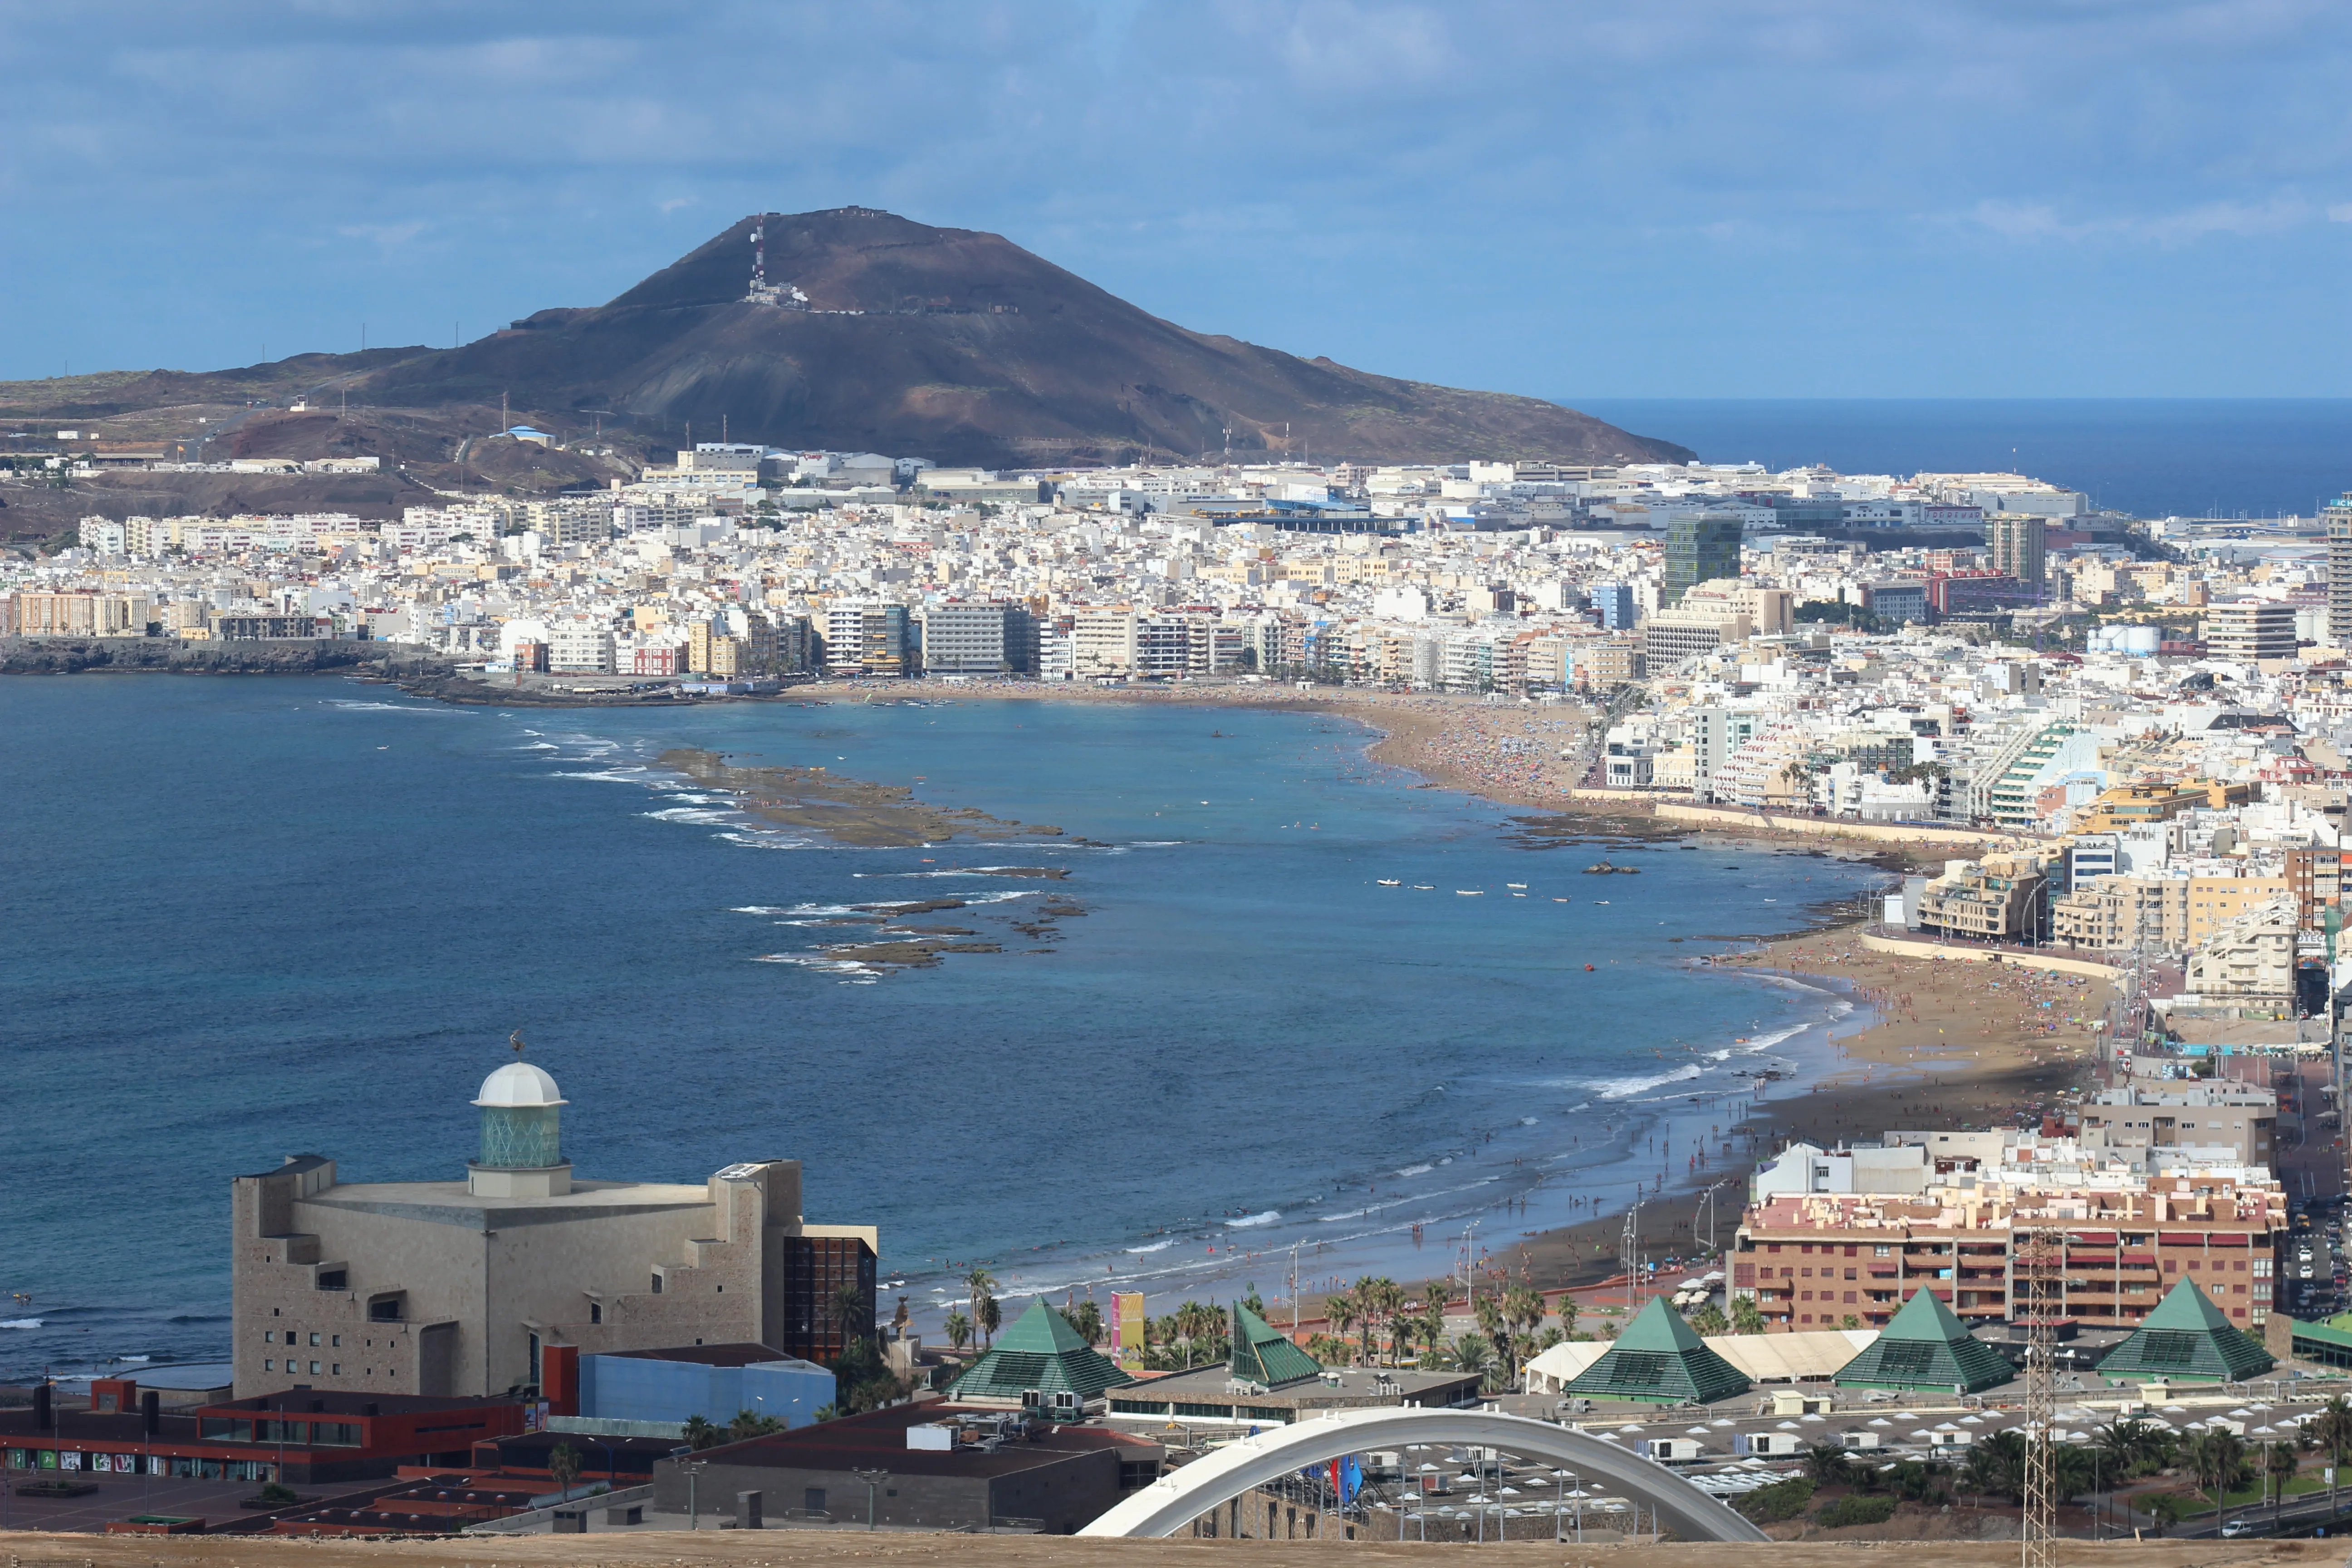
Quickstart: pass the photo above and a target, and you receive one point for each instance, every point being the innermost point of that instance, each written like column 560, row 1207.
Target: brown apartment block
column 1812, row 1261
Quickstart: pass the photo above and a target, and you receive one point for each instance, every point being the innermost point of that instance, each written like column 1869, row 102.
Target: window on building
column 268, row 1365
column 314, row 1369
column 595, row 1312
column 335, row 1340
column 314, row 1338
column 657, row 1290
column 337, row 1370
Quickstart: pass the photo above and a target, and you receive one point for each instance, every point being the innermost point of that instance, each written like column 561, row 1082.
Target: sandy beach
column 1942, row 1043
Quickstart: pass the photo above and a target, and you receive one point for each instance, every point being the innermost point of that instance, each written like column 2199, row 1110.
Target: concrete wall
column 1065, row 1491
column 1835, row 827
column 1988, row 955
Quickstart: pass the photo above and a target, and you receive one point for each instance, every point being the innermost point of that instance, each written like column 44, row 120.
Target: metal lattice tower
column 2039, row 1289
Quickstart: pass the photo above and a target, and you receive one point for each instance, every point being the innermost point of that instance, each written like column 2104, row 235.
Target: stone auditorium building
column 456, row 1288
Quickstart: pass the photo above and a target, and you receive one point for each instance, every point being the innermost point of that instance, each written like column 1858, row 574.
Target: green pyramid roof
column 2187, row 1336
column 1265, row 1355
column 1659, row 1360
column 1042, row 1352
column 1925, row 1347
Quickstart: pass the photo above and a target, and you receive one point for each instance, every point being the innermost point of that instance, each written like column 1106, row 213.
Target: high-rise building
column 2249, row 629
column 1697, row 549
column 2019, row 546
column 1615, row 602
column 2339, row 570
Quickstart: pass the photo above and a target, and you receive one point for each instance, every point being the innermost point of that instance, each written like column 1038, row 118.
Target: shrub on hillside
column 1855, row 1510
column 1781, row 1500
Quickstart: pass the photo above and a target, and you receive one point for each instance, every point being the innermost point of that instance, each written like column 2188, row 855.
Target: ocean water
column 2152, row 457
column 246, row 918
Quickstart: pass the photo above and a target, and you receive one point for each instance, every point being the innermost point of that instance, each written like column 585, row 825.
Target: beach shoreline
column 1521, row 757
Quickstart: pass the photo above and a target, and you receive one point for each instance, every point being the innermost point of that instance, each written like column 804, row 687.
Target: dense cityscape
column 2104, row 750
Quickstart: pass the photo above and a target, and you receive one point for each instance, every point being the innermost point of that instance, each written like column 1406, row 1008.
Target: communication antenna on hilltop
column 761, row 291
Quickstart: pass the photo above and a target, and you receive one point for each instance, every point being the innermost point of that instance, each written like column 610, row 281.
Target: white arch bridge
column 1176, row 1498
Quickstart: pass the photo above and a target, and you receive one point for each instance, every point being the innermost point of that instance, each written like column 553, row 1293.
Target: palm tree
column 563, row 1467
column 2282, row 1462
column 981, row 1285
column 702, row 1434
column 1087, row 1318
column 1747, row 1317
column 1472, row 1352
column 2333, row 1432
column 1709, row 1319
column 2215, row 1457
column 851, row 1318
column 1381, row 1299
column 958, row 1329
column 991, row 1315
column 1343, row 1311
column 1567, row 1311
column 1827, row 1464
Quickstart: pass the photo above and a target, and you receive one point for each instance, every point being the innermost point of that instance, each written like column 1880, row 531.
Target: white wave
column 758, row 910
column 1001, row 898
column 1721, row 1055
column 815, row 910
column 1626, row 1088
column 1421, row 1170
column 1154, row 1246
column 537, row 746
column 1252, row 1221
column 1756, row 1043
column 697, row 799
column 20, row 1324
column 1526, row 1121
column 690, row 814
column 1158, row 843
column 350, row 707
column 823, row 965
column 763, row 840
column 608, row 775
column 134, row 1358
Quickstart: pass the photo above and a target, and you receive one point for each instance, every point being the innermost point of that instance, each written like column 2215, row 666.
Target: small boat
column 1518, row 895
column 1599, row 901
column 1469, row 892
column 1388, row 881
column 1559, row 900
column 1588, row 969
column 1519, row 885
column 1424, row 887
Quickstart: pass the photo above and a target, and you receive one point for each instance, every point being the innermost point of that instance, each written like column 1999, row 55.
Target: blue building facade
column 655, row 1388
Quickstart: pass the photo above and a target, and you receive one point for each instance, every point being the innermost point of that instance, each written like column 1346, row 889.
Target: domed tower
column 522, row 1142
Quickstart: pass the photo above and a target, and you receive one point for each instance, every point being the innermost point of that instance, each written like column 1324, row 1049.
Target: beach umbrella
column 1880, row 1421
column 1906, row 1416
column 1630, row 1426
column 1721, row 1421
column 1972, row 1420
column 1787, row 1427
column 1509, row 1491
column 1695, row 1432
column 1810, row 1419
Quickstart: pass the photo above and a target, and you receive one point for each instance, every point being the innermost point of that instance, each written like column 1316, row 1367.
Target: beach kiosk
column 1659, row 1360
column 1927, row 1347
column 2187, row 1340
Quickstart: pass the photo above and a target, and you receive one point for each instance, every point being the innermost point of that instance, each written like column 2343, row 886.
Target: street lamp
column 872, row 1478
column 692, row 1471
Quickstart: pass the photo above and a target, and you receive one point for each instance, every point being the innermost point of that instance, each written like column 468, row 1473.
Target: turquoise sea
column 246, row 918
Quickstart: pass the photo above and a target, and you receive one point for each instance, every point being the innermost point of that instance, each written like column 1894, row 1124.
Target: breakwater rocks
column 69, row 655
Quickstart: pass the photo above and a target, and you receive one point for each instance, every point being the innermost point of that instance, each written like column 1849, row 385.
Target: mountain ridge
column 952, row 344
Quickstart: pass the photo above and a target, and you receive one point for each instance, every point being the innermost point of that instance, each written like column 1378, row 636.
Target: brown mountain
column 964, row 348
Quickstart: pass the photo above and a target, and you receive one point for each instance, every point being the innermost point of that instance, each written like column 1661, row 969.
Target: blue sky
column 1662, row 198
